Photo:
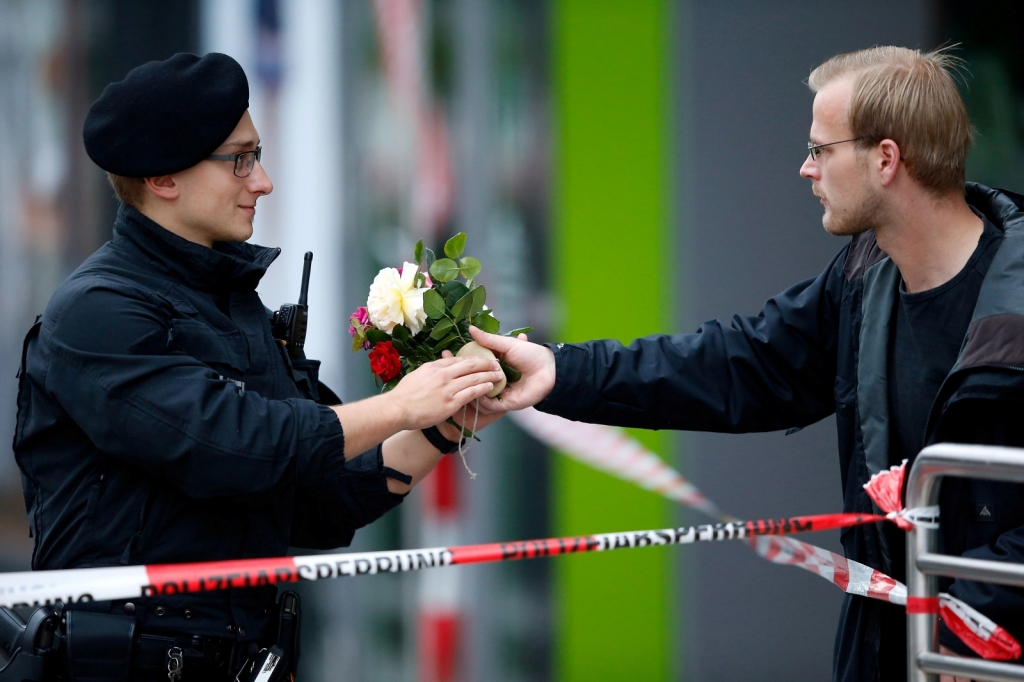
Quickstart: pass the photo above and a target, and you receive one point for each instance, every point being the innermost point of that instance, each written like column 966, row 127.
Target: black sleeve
column 307, row 373
column 328, row 513
column 169, row 414
column 771, row 371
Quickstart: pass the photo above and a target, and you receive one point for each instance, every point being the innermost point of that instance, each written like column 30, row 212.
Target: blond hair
column 130, row 191
column 911, row 98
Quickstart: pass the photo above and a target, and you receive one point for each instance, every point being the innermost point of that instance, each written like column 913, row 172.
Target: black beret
column 166, row 116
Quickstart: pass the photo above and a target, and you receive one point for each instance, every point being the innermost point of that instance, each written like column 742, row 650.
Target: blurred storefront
column 620, row 169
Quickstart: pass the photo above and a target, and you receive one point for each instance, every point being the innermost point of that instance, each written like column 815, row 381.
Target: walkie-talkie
column 289, row 323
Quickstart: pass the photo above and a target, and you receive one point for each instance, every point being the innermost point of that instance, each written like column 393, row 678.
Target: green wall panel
column 612, row 268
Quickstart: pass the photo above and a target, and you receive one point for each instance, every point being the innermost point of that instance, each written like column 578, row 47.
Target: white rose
column 395, row 299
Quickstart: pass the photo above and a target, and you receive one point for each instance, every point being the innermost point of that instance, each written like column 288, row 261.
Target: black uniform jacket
column 820, row 348
column 159, row 421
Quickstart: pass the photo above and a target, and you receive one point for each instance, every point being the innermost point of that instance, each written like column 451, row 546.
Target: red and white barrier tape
column 981, row 634
column 127, row 582
column 886, row 489
column 849, row 576
column 612, row 451
column 984, row 636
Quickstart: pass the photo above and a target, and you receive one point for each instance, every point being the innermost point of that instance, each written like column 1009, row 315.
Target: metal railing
column 924, row 565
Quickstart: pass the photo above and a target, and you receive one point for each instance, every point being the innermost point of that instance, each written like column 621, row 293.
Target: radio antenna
column 307, row 261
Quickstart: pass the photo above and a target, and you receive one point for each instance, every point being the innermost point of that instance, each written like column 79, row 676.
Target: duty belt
column 57, row 644
column 189, row 657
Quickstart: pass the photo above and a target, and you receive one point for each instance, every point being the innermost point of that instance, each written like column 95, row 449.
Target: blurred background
column 621, row 168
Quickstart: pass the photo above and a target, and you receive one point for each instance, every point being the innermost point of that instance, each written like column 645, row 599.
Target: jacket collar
column 997, row 327
column 227, row 266
column 1001, row 292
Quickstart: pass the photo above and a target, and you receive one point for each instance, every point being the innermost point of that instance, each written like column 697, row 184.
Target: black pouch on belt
column 289, row 629
column 269, row 666
column 30, row 650
column 99, row 646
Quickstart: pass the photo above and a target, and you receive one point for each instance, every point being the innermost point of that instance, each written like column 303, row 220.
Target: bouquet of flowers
column 416, row 312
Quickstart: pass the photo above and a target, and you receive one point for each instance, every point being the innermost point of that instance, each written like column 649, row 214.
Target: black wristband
column 397, row 475
column 433, row 434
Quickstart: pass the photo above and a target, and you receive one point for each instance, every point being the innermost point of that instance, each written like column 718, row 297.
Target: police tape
column 609, row 449
column 127, row 582
column 980, row 633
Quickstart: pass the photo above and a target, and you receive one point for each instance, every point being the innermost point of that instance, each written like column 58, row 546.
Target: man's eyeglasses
column 244, row 161
column 815, row 149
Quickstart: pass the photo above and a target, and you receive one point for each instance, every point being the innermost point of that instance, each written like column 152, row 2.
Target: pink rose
column 359, row 322
column 361, row 316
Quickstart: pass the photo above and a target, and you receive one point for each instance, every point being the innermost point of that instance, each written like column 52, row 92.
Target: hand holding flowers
column 536, row 364
column 413, row 322
column 411, row 318
column 462, row 381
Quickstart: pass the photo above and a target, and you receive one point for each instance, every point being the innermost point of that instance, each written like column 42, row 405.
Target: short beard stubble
column 865, row 212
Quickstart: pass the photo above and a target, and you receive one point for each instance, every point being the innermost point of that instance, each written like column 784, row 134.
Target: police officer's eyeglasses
column 815, row 149
column 244, row 161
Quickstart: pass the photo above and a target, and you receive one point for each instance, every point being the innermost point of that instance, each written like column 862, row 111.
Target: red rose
column 385, row 361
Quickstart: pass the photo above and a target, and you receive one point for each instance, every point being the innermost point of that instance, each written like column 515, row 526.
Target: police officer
column 159, row 421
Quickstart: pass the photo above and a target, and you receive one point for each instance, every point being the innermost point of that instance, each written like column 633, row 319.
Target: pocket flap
column 211, row 347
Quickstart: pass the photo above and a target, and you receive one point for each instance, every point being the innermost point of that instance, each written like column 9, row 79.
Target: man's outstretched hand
column 536, row 362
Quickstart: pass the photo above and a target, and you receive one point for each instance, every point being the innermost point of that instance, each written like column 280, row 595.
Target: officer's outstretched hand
column 439, row 389
column 536, row 362
column 468, row 417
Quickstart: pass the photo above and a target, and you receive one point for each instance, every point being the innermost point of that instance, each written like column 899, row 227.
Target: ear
column 887, row 161
column 164, row 186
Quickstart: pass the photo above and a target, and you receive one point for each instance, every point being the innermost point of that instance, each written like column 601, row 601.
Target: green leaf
column 376, row 336
column 390, row 385
column 429, row 259
column 418, row 253
column 485, row 322
column 433, row 304
column 469, row 267
column 425, row 353
column 419, row 281
column 442, row 328
column 452, row 292
column 357, row 343
column 512, row 375
column 444, row 270
column 454, row 247
column 479, row 298
column 445, row 343
column 521, row 330
column 462, row 307
column 401, row 333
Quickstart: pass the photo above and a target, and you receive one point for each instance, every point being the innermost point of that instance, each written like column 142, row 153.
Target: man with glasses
column 159, row 421
column 912, row 335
